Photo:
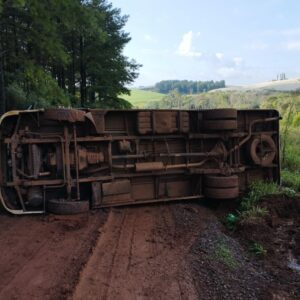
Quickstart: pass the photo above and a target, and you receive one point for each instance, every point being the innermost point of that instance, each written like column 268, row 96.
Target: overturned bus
column 68, row 161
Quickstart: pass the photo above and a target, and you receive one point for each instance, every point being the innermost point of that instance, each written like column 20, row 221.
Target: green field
column 140, row 98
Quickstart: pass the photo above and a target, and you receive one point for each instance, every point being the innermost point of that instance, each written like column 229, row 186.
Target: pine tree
column 63, row 53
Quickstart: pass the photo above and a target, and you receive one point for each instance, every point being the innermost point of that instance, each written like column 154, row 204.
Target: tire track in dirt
column 135, row 258
column 41, row 256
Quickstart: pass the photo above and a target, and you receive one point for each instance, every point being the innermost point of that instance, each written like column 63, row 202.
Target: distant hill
column 287, row 85
column 140, row 98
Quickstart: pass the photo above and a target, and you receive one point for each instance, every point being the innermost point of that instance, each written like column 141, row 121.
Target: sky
column 242, row 42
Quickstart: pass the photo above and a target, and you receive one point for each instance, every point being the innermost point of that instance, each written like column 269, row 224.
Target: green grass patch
column 258, row 189
column 291, row 155
column 141, row 99
column 291, row 179
column 224, row 255
column 252, row 213
column 250, row 208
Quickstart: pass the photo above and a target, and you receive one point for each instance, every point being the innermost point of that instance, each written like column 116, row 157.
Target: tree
column 64, row 53
column 187, row 87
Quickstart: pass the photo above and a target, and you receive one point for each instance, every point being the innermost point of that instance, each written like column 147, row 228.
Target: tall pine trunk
column 82, row 73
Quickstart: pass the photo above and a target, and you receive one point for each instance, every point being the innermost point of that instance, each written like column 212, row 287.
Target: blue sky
column 238, row 41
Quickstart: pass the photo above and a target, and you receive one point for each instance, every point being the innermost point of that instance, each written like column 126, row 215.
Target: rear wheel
column 221, row 181
column 63, row 207
column 221, row 187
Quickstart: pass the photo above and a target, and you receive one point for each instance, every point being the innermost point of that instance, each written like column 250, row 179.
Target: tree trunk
column 2, row 89
column 82, row 75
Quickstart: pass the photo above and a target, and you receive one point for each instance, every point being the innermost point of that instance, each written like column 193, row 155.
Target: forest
column 187, row 86
column 63, row 53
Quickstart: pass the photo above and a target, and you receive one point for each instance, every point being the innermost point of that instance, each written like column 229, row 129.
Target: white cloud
column 149, row 38
column 226, row 72
column 293, row 45
column 219, row 55
column 229, row 72
column 185, row 47
column 232, row 68
column 238, row 61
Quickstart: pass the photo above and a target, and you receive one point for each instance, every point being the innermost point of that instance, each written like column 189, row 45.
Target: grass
column 258, row 249
column 140, row 98
column 291, row 179
column 290, row 173
column 291, row 159
column 254, row 212
column 224, row 255
column 249, row 207
column 258, row 189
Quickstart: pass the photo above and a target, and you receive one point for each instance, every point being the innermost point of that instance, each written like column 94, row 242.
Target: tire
column 221, row 193
column 220, row 114
column 221, row 181
column 219, row 124
column 61, row 207
column 259, row 158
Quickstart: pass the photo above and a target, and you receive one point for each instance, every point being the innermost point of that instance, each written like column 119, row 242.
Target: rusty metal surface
column 65, row 114
column 124, row 157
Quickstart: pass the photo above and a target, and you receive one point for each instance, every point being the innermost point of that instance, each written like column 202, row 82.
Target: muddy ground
column 165, row 251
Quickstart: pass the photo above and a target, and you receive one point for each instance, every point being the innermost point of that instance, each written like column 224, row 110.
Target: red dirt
column 41, row 256
column 136, row 257
column 166, row 251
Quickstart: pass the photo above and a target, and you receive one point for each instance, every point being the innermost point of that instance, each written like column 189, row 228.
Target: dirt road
column 138, row 255
column 41, row 257
column 165, row 251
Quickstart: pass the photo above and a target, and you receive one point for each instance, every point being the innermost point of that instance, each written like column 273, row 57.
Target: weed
column 249, row 208
column 258, row 189
column 288, row 192
column 258, row 249
column 255, row 212
column 224, row 255
column 291, row 159
column 291, row 179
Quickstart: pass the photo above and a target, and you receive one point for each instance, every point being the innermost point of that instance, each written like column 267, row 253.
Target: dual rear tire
column 221, row 187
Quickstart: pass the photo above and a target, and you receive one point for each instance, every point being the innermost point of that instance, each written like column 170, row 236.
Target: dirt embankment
column 42, row 256
column 166, row 251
